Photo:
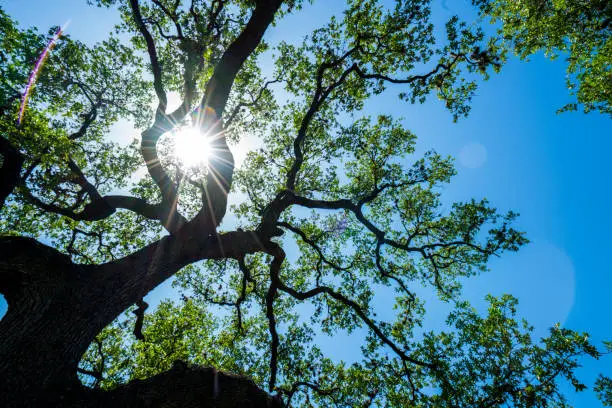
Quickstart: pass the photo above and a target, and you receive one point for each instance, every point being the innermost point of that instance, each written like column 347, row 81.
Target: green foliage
column 488, row 360
column 365, row 216
column 578, row 29
column 493, row 361
column 79, row 94
column 603, row 386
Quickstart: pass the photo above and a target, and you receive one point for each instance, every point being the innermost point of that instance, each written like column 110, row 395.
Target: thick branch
column 142, row 271
column 107, row 205
column 12, row 161
column 19, row 257
column 275, row 266
column 220, row 84
column 221, row 164
column 90, row 118
column 148, row 147
column 139, row 312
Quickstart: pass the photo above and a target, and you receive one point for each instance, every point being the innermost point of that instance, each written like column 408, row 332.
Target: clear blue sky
column 513, row 149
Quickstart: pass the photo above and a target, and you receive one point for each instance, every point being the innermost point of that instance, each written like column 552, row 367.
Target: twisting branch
column 320, row 96
column 139, row 312
column 106, row 206
column 97, row 372
column 358, row 310
column 246, row 277
column 221, row 164
column 12, row 161
column 82, row 181
column 357, row 210
column 163, row 124
column 148, row 150
column 314, row 246
column 209, row 296
column 446, row 68
column 152, row 50
column 173, row 16
column 387, row 274
column 90, row 118
column 160, row 30
column 252, row 103
column 296, row 386
column 102, row 207
column 427, row 251
column 275, row 282
column 322, row 93
column 93, row 234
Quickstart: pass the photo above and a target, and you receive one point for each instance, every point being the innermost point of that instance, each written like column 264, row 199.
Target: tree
column 603, row 386
column 338, row 185
column 578, row 29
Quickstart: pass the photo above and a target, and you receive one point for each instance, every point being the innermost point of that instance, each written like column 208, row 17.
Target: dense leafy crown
column 329, row 208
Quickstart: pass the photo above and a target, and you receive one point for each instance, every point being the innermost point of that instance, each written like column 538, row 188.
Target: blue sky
column 512, row 149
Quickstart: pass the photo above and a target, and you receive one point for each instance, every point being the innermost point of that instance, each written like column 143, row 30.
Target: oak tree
column 329, row 208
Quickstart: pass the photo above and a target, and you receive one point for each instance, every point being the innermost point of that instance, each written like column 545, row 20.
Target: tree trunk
column 55, row 310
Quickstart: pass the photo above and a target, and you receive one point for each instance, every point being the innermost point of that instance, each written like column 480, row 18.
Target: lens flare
column 36, row 70
column 191, row 147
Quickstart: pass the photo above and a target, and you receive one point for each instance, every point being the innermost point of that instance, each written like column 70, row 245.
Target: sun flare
column 191, row 147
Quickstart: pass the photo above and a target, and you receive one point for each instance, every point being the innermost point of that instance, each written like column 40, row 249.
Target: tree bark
column 56, row 307
column 55, row 310
column 10, row 167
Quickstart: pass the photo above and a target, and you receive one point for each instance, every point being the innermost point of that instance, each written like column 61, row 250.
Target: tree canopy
column 331, row 207
column 580, row 30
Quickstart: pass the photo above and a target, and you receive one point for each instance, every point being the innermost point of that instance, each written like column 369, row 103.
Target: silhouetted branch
column 10, row 170
column 139, row 312
column 275, row 266
column 358, row 310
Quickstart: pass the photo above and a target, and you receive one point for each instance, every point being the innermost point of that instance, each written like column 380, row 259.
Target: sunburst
column 192, row 147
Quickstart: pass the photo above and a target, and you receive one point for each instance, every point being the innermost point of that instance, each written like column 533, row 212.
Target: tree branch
column 253, row 103
column 139, row 312
column 322, row 93
column 358, row 310
column 221, row 164
column 152, row 50
column 313, row 245
column 12, row 162
column 102, row 207
column 141, row 271
column 173, row 16
column 275, row 266
column 148, row 147
column 220, row 84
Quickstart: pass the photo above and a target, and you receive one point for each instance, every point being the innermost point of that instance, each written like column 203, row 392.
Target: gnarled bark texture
column 56, row 308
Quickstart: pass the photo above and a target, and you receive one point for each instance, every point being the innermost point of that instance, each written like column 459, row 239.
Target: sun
column 191, row 147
